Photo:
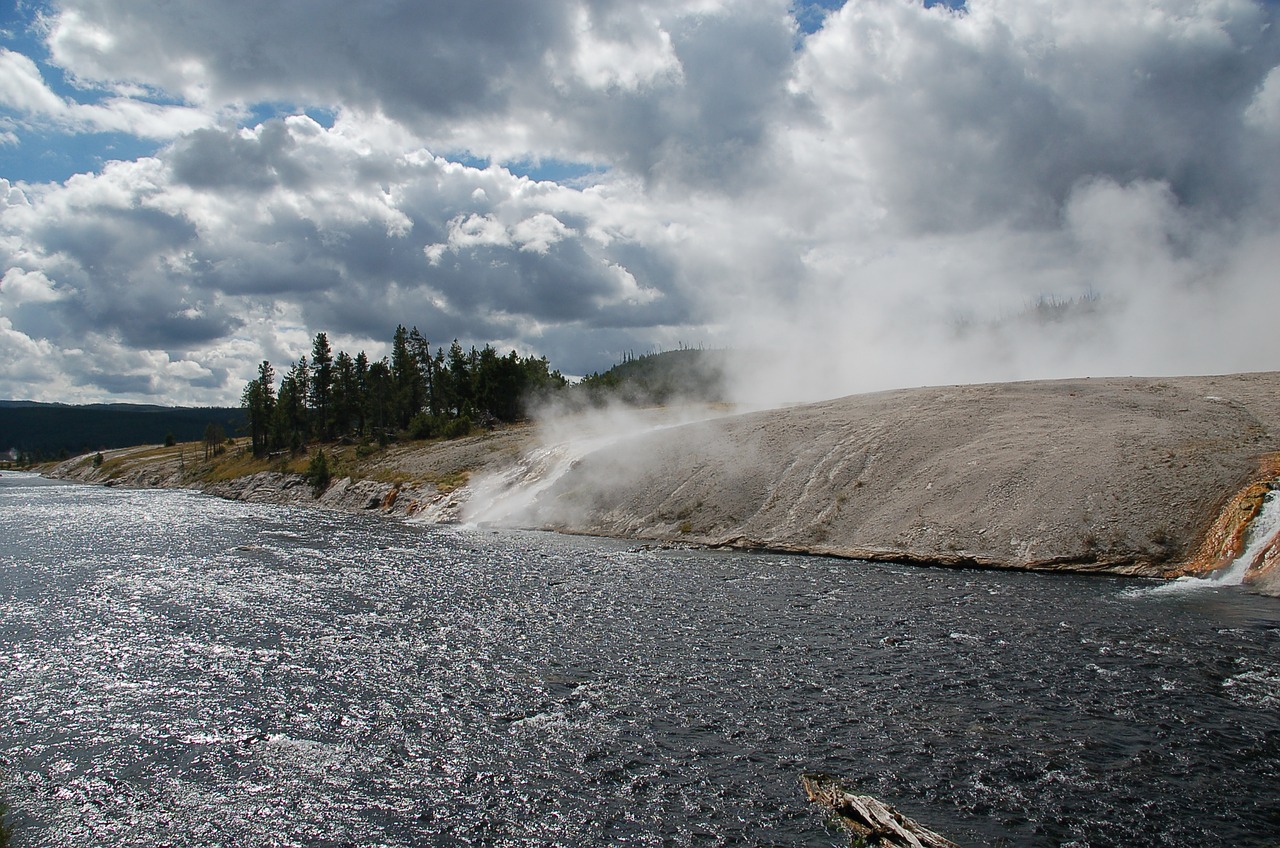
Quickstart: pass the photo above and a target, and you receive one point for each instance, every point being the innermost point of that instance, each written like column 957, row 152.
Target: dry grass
column 236, row 462
column 121, row 462
column 344, row 461
column 448, row 482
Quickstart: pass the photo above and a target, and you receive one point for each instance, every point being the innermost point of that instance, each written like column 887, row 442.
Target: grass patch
column 448, row 482
column 188, row 454
column 390, row 475
column 237, row 462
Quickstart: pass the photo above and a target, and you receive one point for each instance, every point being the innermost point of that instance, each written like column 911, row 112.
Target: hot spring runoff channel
column 179, row 670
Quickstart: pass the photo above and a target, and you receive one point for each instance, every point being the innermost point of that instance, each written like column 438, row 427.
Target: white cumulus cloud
column 910, row 194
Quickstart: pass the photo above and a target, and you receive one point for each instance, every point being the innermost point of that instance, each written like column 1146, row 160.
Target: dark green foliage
column 406, row 376
column 321, row 388
column 457, row 428
column 346, row 396
column 657, row 378
column 259, row 402
column 379, row 402
column 460, row 379
column 318, row 473
column 290, row 422
column 426, row 426
column 170, row 440
column 97, row 460
column 41, row 431
column 414, row 393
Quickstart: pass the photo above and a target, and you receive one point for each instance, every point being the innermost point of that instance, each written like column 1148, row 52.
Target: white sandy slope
column 1117, row 475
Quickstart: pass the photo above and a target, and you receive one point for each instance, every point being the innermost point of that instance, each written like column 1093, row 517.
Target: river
column 180, row 670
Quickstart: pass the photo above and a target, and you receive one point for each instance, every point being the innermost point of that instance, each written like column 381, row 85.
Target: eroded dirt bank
column 1148, row 477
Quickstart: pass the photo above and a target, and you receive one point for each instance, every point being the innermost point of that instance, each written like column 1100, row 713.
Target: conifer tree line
column 414, row 393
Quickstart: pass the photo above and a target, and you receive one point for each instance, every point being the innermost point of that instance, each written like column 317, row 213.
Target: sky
column 864, row 195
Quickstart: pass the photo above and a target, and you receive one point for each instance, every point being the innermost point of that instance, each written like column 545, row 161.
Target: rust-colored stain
column 1225, row 539
column 390, row 499
column 1267, row 564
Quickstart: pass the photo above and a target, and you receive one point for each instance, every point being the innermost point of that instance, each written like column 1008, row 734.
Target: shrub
column 318, row 473
column 424, row 426
column 457, row 428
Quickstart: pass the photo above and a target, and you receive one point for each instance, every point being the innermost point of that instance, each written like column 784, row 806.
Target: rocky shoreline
column 1143, row 477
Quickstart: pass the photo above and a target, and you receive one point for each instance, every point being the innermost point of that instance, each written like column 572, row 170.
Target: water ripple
column 185, row 671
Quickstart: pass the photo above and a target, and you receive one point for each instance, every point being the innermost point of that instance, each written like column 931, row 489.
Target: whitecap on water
column 1256, row 687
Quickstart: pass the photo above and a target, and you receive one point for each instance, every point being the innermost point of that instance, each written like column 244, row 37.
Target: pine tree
column 259, row 403
column 420, row 350
column 404, row 376
column 289, row 424
column 380, row 400
column 322, row 379
column 460, row 380
column 362, row 393
column 346, row 395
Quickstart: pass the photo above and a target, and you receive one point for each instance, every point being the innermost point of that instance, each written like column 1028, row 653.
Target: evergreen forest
column 34, row 432
column 415, row 393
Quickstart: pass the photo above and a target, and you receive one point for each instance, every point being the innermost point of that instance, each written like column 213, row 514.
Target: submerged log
column 867, row 820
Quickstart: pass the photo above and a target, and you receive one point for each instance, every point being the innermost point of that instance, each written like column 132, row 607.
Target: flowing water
column 178, row 670
column 1262, row 530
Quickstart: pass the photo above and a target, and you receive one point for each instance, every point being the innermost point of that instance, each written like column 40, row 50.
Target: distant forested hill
column 49, row 430
column 687, row 373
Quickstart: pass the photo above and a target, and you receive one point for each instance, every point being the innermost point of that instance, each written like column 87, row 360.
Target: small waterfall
column 1263, row 528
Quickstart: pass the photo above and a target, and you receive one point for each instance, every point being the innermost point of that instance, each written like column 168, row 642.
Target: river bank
column 1143, row 477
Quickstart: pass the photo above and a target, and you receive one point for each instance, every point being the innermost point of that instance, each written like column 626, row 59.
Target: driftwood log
column 867, row 820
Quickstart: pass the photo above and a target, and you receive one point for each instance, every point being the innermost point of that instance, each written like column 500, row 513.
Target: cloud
column 236, row 235
column 616, row 51
column 904, row 194
column 998, row 112
column 24, row 91
column 580, row 81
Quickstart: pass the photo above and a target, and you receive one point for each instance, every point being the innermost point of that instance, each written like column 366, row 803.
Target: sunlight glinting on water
column 187, row 671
